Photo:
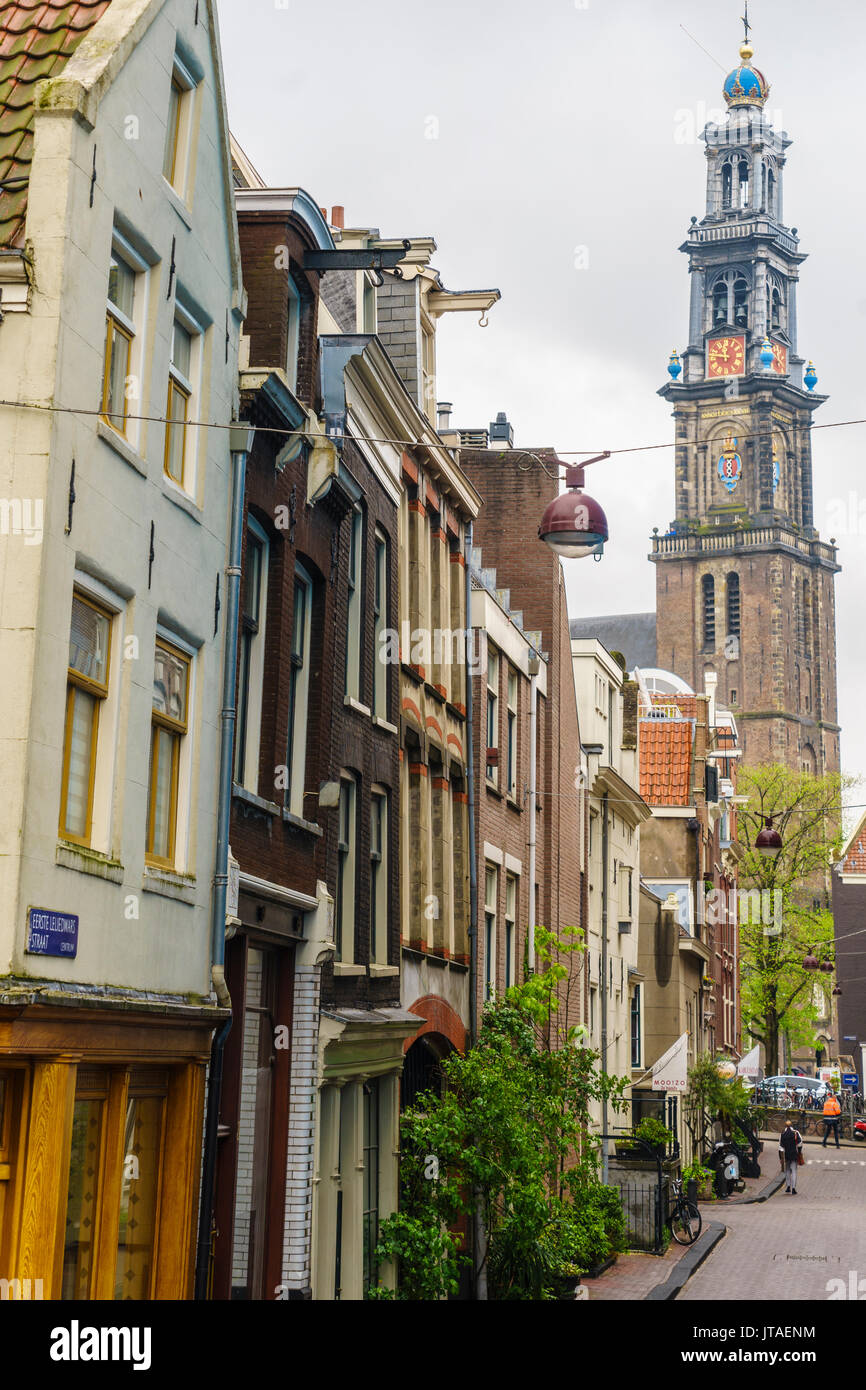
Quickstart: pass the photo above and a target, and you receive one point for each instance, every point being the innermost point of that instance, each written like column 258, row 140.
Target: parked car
column 792, row 1092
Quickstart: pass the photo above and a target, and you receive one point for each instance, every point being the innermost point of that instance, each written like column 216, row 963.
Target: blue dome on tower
column 746, row 85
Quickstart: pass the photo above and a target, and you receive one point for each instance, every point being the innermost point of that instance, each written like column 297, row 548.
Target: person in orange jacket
column 832, row 1111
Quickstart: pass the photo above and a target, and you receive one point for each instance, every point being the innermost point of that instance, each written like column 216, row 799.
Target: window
column 733, row 605
column 178, row 127
column 380, row 611
column 708, row 604
column 252, row 657
column 347, row 844
column 177, row 407
column 117, row 1157
column 353, row 623
column 806, row 620
column 635, row 1028
column 727, row 185
column 299, row 686
column 771, row 193
column 370, row 1213
column 168, row 729
column 379, row 876
column 491, row 883
column 117, row 384
column 743, row 173
column 492, row 712
column 293, row 333
column 511, row 771
column 86, row 689
column 741, row 302
column 510, row 929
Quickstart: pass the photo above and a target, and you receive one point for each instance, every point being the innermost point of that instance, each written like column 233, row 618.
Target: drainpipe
column 603, row 982
column 470, row 788
column 240, row 443
column 534, row 667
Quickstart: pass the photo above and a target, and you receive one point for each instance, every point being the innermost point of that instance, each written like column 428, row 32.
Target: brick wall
column 514, row 500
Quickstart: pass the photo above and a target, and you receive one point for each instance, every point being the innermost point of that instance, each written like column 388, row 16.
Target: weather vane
column 746, row 25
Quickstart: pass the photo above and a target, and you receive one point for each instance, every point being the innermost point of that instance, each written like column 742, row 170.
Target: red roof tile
column 855, row 859
column 37, row 37
column 665, row 748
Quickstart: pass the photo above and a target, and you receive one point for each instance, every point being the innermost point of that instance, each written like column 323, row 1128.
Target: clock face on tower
column 726, row 356
column 780, row 358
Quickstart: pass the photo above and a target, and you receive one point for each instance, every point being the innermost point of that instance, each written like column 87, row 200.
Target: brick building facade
column 515, row 490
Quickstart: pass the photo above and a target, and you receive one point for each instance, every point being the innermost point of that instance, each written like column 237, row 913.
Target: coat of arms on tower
column 730, row 464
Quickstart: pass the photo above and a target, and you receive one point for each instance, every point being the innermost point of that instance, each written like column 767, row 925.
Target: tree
column 788, row 914
column 510, row 1135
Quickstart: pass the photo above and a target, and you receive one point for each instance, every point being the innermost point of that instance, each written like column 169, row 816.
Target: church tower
column 745, row 586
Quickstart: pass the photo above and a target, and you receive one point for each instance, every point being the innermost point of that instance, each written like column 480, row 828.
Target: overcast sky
column 552, row 151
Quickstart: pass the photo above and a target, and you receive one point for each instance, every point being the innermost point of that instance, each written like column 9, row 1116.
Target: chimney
column 501, row 433
column 443, row 415
column 338, row 217
column 711, row 682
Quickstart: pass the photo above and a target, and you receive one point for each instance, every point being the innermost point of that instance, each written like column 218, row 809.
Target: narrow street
column 792, row 1247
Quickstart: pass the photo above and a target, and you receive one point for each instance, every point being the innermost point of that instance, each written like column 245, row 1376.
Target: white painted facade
column 608, row 767
column 140, row 927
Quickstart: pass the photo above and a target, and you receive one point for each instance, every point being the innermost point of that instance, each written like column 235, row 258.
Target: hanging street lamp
column 768, row 841
column 574, row 525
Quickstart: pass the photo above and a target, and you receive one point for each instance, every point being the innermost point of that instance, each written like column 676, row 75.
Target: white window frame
column 192, row 387
column 293, row 332
column 379, row 871
column 347, row 850
column 512, row 898
column 512, row 685
column 492, row 705
column 185, row 800
column 131, row 429
column 491, row 875
column 381, row 617
column 355, row 606
column 109, row 714
column 248, row 774
column 179, row 181
column 296, row 752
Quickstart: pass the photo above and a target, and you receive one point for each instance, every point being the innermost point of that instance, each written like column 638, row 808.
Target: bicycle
column 684, row 1219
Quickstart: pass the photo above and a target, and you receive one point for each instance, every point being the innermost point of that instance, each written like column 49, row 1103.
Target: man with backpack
column 790, row 1155
column 832, row 1111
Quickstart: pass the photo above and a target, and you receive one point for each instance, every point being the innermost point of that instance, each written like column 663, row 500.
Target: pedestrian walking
column 832, row 1111
column 790, row 1155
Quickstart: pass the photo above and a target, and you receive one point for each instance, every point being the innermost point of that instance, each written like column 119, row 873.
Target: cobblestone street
column 790, row 1248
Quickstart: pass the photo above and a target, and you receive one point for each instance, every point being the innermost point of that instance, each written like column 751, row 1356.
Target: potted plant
column 654, row 1133
column 568, row 1280
column 698, row 1181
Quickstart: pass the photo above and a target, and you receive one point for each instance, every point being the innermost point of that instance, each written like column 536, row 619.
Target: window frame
column 100, row 692
column 512, row 686
column 346, row 893
column 636, row 1027
column 512, row 894
column 355, row 605
column 119, row 323
column 381, row 616
column 492, row 708
column 251, row 665
column 491, row 906
column 379, row 871
column 180, row 138
column 299, row 690
column 185, row 388
column 178, row 731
